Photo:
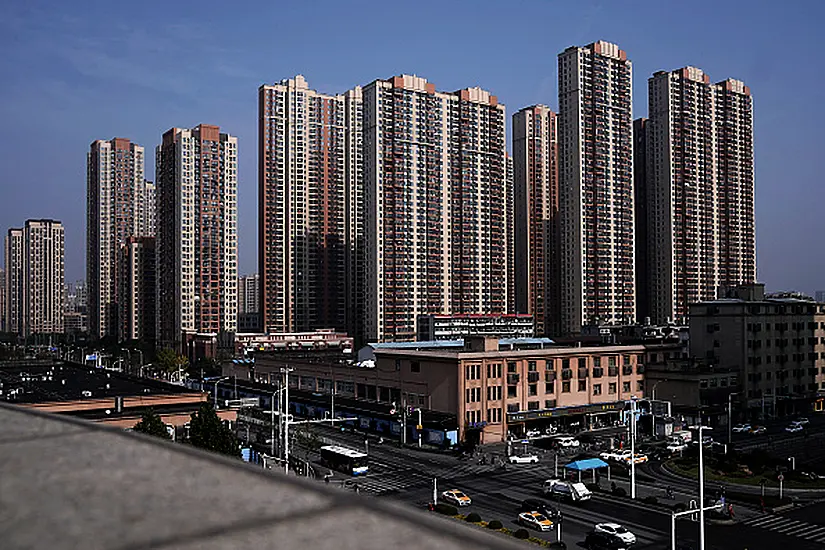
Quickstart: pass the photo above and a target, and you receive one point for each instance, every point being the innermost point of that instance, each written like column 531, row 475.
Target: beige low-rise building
column 491, row 391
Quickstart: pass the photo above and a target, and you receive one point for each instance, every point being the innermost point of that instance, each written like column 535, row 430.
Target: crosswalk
column 790, row 527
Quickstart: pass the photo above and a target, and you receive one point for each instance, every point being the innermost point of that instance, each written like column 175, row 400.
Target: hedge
column 650, row 499
column 472, row 517
column 522, row 534
column 495, row 524
column 446, row 509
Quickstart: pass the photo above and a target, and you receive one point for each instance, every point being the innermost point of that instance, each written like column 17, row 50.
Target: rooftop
column 46, row 380
column 81, row 485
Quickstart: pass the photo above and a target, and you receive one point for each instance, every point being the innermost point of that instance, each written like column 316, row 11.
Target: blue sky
column 73, row 72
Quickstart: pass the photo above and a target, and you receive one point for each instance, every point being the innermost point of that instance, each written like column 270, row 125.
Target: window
column 533, row 389
column 531, row 366
column 473, row 372
column 512, row 391
column 582, row 362
column 511, row 367
column 551, row 403
column 626, row 360
column 626, row 387
column 611, row 389
column 532, row 405
column 415, row 366
column 640, row 386
column 611, row 361
column 582, row 385
column 597, row 361
column 565, row 386
column 494, row 370
column 565, row 364
column 549, row 387
column 512, row 408
column 597, row 389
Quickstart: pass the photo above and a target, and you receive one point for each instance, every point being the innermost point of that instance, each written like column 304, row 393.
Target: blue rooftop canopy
column 587, row 464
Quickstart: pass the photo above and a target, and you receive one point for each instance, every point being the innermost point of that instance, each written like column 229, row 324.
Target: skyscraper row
column 34, row 282
column 397, row 200
column 379, row 205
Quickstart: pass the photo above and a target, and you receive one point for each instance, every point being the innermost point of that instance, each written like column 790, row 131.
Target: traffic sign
column 781, row 477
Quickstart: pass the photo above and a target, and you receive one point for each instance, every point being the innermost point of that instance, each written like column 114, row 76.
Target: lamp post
column 700, row 429
column 792, row 460
column 633, row 448
column 285, row 371
column 730, row 420
column 221, row 379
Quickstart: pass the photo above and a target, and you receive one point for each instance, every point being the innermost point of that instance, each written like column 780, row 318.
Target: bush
column 522, row 534
column 594, row 487
column 679, row 507
column 495, row 524
column 472, row 517
column 619, row 492
column 446, row 509
column 650, row 499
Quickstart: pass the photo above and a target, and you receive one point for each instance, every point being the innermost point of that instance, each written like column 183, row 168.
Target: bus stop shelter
column 588, row 464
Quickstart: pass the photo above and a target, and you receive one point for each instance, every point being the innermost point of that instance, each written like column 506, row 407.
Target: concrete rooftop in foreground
column 68, row 483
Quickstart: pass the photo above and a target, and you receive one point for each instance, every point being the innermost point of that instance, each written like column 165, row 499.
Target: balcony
column 75, row 485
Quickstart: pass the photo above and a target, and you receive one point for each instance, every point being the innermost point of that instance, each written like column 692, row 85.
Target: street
column 406, row 475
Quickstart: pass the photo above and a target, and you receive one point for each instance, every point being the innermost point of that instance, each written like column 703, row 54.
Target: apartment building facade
column 35, row 278
column 596, row 186
column 197, row 242
column 435, row 199
column 699, row 190
column 777, row 346
column 537, row 234
column 138, row 315
column 120, row 204
column 310, row 200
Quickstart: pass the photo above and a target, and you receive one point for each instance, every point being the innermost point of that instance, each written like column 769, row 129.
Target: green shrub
column 619, row 492
column 650, row 499
column 472, row 517
column 446, row 509
column 495, row 524
column 522, row 534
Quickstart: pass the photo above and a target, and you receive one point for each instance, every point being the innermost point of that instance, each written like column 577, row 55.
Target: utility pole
column 730, row 420
column 420, row 428
column 286, row 372
column 404, row 423
column 633, row 448
column 272, row 427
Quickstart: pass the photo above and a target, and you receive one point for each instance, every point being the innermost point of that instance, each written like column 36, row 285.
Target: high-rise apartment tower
column 310, row 207
column 595, row 128
column 119, row 205
column 700, row 190
column 435, row 195
column 537, row 237
column 197, row 240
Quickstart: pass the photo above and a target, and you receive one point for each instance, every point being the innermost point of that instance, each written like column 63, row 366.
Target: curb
column 783, row 508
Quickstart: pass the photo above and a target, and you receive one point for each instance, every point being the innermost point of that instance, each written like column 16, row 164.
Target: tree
column 207, row 431
column 169, row 361
column 151, row 424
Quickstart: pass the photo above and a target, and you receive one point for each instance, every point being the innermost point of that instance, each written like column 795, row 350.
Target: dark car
column 604, row 541
column 536, row 505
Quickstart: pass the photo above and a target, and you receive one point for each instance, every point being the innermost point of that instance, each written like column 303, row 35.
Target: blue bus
column 344, row 460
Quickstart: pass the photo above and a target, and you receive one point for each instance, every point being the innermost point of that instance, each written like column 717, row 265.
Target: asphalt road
column 406, row 475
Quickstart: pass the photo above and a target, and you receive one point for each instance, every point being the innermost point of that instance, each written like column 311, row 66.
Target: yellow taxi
column 456, row 497
column 535, row 520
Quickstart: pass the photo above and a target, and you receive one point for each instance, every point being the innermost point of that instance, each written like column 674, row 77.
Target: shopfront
column 566, row 419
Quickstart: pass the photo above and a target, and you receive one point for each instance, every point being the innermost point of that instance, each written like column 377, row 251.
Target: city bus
column 344, row 460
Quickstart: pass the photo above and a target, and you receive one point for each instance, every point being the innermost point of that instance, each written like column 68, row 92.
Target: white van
column 576, row 492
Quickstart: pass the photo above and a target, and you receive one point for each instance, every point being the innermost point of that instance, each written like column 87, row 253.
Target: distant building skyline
column 35, row 288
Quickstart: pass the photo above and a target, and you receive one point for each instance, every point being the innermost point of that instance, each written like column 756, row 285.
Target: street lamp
column 730, row 418
column 700, row 429
column 221, row 379
column 792, row 460
column 633, row 447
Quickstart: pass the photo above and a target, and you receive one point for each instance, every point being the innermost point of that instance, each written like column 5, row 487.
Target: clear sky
column 73, row 72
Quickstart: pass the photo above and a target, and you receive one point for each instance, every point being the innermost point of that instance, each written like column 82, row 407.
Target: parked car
column 637, row 459
column 794, row 428
column 536, row 505
column 456, row 497
column 677, row 447
column 535, row 520
column 803, row 421
column 523, row 459
column 596, row 540
column 533, row 433
column 756, row 430
column 741, row 428
column 616, row 455
column 616, row 530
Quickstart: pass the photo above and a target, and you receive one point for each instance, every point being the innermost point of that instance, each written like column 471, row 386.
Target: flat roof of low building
column 48, row 380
